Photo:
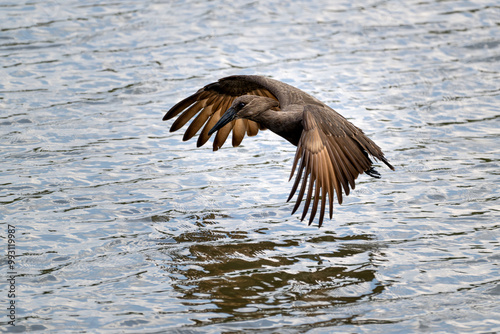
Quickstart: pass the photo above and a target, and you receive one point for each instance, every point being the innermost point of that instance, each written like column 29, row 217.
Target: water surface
column 122, row 227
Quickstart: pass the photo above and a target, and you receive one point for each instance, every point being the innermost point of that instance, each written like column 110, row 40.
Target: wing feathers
column 331, row 155
column 207, row 106
column 252, row 128
column 335, row 174
column 222, row 135
column 180, row 106
column 186, row 115
column 203, row 138
column 197, row 123
column 239, row 129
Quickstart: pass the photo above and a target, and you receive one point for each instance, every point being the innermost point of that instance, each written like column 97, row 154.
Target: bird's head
column 245, row 106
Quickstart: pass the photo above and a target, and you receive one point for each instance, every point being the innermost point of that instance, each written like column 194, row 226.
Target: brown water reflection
column 250, row 278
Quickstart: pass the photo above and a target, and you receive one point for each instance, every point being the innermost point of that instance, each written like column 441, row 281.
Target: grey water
column 120, row 226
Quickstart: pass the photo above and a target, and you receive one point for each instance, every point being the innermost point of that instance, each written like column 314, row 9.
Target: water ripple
column 123, row 227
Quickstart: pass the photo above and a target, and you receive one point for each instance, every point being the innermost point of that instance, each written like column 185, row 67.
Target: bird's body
column 331, row 151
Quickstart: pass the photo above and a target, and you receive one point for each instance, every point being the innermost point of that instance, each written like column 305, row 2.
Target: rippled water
column 122, row 227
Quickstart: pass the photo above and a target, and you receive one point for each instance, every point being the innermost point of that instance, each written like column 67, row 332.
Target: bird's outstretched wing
column 332, row 153
column 209, row 103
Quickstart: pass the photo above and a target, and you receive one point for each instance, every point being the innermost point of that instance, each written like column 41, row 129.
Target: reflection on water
column 123, row 227
column 251, row 279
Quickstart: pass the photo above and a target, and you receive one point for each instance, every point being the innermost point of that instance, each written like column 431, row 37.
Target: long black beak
column 228, row 116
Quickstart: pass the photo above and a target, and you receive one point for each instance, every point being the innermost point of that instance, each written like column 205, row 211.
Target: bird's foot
column 373, row 173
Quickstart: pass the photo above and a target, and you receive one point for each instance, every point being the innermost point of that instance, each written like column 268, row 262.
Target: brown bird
column 331, row 150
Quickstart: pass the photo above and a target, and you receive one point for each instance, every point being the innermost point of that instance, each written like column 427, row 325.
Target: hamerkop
column 331, row 150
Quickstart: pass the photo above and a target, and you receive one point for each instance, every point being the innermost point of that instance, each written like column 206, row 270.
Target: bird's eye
column 241, row 105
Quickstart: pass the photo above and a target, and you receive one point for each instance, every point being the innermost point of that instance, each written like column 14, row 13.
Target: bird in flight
column 331, row 151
